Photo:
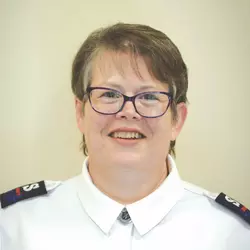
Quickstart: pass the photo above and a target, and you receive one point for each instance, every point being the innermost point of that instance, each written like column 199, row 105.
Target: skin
column 127, row 172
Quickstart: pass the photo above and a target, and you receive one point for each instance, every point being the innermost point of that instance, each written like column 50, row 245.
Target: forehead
column 122, row 68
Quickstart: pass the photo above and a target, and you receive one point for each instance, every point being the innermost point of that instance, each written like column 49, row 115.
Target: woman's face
column 98, row 128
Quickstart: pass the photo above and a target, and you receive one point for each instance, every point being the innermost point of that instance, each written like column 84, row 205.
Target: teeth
column 127, row 135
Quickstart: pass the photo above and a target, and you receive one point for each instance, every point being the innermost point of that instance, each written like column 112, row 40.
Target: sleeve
column 239, row 239
column 3, row 232
column 1, row 248
column 9, row 231
column 1, row 237
column 5, row 240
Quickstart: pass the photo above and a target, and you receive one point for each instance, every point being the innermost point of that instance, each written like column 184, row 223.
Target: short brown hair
column 161, row 55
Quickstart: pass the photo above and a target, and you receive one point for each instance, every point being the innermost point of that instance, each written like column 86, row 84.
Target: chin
column 124, row 157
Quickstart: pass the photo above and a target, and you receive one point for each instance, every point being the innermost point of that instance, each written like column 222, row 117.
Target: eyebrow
column 117, row 86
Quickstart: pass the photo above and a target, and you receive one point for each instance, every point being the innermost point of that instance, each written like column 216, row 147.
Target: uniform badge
column 22, row 193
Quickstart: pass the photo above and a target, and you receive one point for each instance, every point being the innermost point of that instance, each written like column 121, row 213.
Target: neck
column 127, row 184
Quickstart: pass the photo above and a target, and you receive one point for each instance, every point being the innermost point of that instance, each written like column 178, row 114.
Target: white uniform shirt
column 76, row 215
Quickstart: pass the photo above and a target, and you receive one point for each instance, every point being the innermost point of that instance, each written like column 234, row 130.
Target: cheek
column 161, row 137
column 95, row 124
column 93, row 132
column 161, row 128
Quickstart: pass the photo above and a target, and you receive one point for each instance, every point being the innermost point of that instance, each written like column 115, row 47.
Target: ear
column 79, row 114
column 180, row 120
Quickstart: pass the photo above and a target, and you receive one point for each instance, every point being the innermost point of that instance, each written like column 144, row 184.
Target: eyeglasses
column 109, row 101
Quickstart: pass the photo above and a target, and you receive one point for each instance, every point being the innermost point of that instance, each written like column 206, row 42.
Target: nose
column 128, row 112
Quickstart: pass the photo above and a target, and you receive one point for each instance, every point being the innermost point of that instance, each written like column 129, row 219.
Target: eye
column 149, row 97
column 111, row 94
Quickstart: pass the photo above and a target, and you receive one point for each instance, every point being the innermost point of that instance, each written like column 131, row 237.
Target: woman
column 130, row 85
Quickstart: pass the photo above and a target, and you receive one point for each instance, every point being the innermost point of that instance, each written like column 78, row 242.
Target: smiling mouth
column 127, row 135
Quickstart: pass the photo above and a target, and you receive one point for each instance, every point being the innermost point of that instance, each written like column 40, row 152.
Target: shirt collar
column 145, row 213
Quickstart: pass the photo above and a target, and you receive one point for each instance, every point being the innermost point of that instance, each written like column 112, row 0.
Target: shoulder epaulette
column 26, row 192
column 231, row 204
column 222, row 199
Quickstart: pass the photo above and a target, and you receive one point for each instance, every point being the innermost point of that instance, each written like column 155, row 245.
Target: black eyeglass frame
column 129, row 99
